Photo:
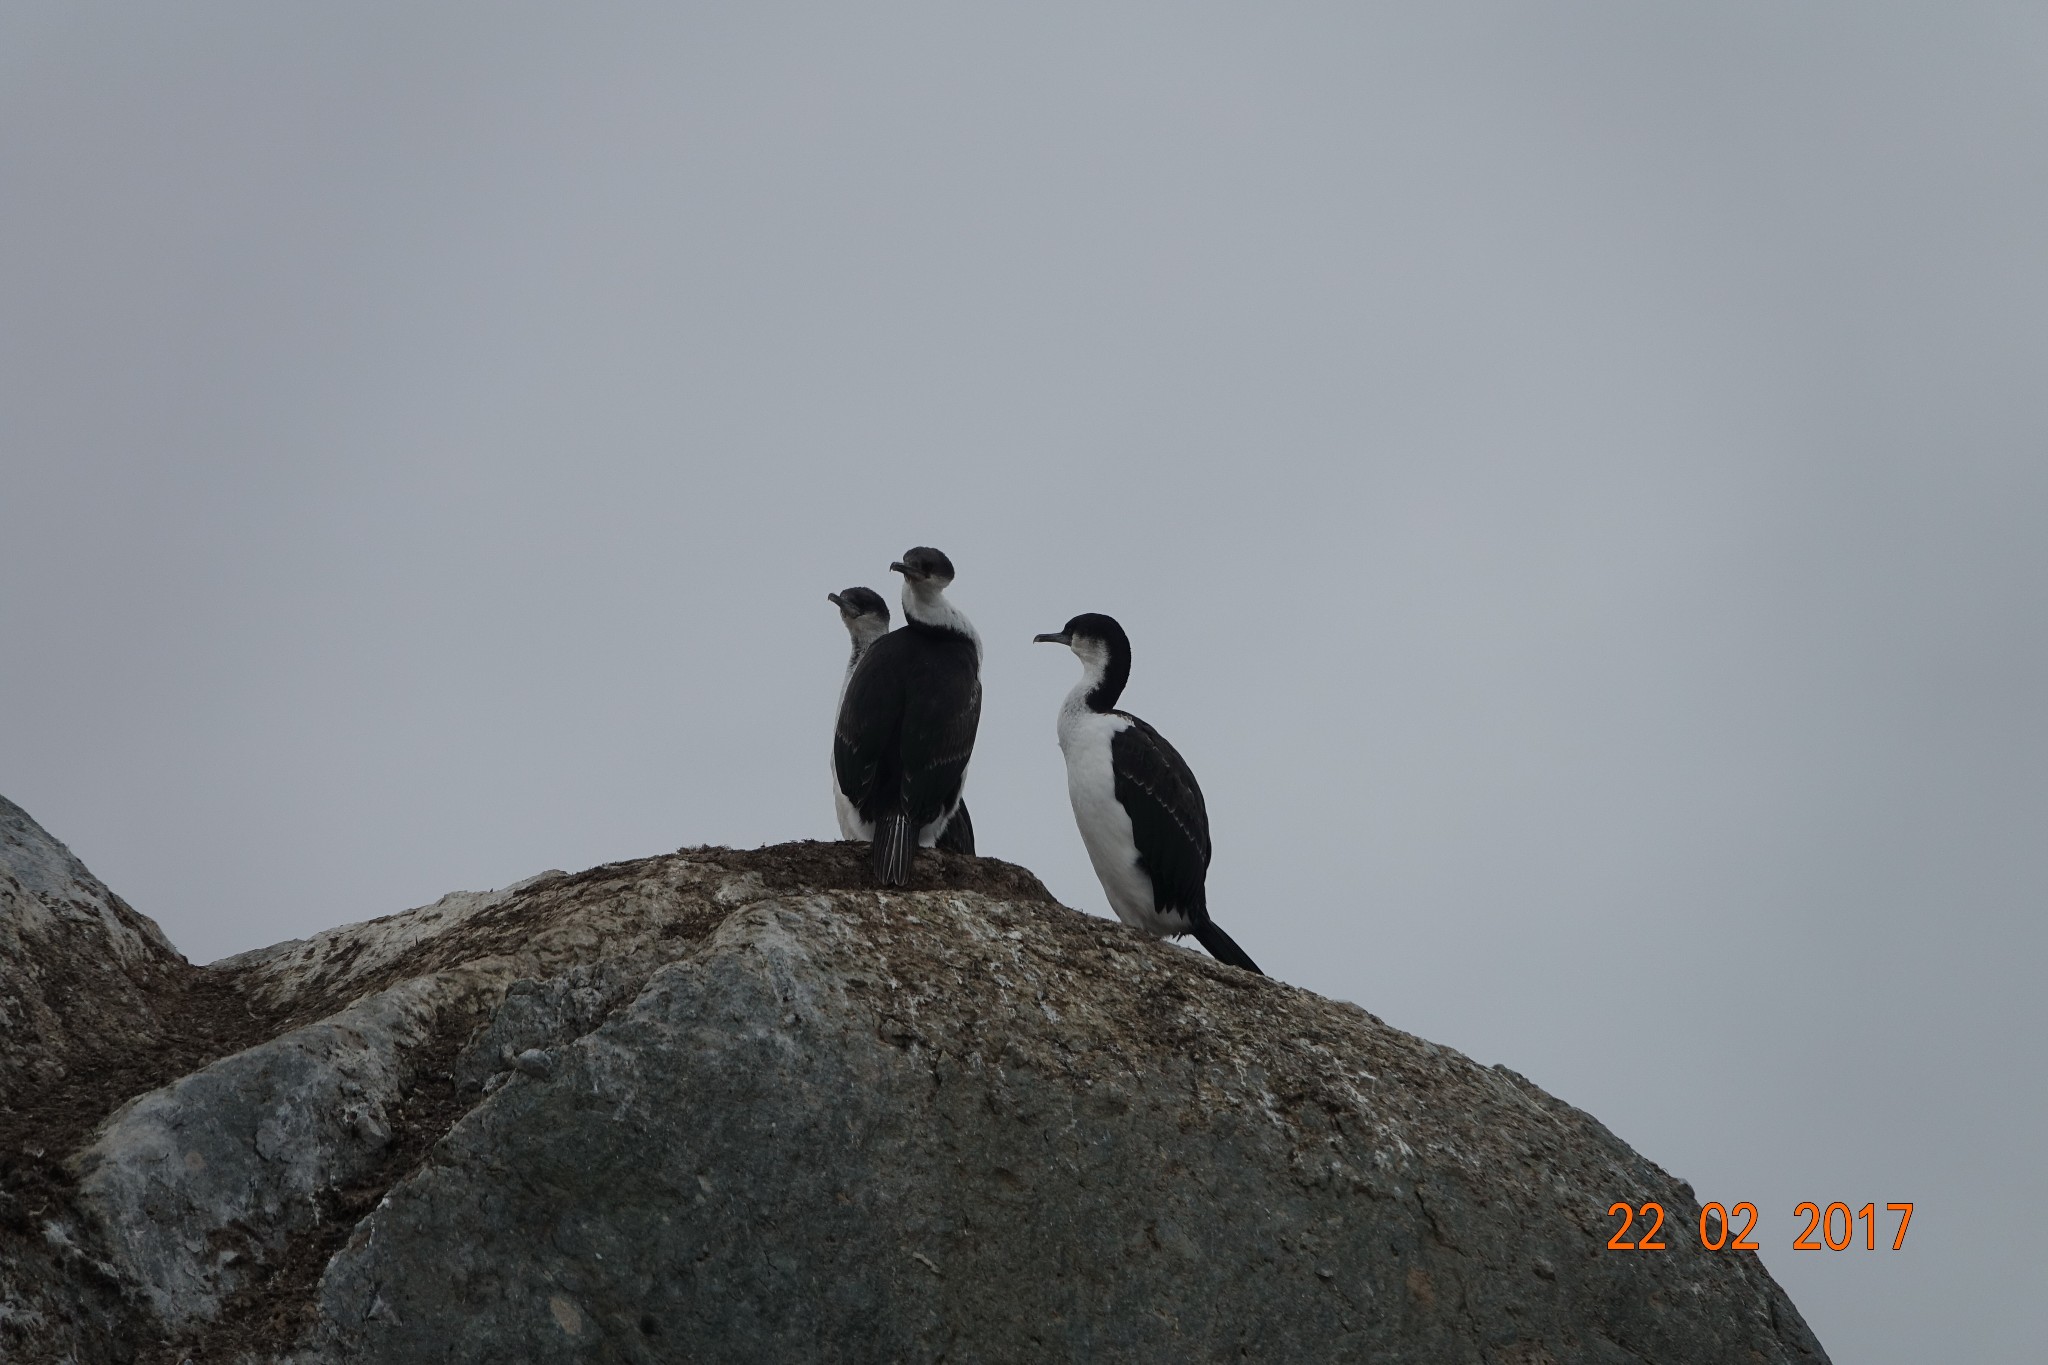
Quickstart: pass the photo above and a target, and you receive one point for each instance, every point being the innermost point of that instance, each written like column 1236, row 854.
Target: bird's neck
column 1102, row 681
column 864, row 638
column 925, row 605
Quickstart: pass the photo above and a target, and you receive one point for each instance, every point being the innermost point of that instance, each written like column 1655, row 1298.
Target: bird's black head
column 1090, row 626
column 1105, row 654
column 923, row 564
column 854, row 603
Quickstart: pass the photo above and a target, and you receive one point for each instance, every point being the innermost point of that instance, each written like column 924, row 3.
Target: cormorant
column 1139, row 808
column 907, row 721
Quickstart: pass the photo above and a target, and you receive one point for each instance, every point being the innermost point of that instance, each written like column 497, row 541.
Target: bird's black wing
column 958, row 835
column 941, row 713
column 864, row 742
column 1169, row 822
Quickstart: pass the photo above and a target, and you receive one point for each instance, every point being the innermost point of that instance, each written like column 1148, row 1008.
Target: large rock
column 91, row 1001
column 81, row 973
column 740, row 1106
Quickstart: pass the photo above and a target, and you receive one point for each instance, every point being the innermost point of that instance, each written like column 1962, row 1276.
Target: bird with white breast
column 1139, row 808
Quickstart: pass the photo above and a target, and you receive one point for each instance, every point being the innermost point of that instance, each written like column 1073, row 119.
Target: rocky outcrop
column 92, row 1005
column 735, row 1106
column 81, row 974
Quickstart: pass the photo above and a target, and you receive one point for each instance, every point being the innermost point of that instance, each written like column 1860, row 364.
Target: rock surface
column 94, row 1004
column 740, row 1106
column 81, row 974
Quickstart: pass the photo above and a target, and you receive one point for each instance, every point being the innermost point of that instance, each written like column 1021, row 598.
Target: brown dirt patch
column 842, row 865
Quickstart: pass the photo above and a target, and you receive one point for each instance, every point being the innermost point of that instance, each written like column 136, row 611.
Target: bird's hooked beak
column 835, row 600
column 913, row 575
column 1061, row 638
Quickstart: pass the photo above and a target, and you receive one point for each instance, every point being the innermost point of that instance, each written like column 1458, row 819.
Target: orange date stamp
column 1717, row 1234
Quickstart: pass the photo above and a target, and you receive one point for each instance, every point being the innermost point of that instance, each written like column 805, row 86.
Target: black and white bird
column 907, row 722
column 1139, row 808
column 866, row 618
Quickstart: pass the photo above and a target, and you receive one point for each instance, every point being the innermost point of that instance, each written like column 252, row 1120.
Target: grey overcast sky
column 1574, row 475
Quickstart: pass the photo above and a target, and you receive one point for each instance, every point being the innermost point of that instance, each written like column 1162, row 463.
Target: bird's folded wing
column 1169, row 821
column 938, row 740
column 870, row 714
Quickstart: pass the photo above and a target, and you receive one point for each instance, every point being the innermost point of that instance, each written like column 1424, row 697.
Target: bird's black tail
column 958, row 835
column 895, row 841
column 1223, row 947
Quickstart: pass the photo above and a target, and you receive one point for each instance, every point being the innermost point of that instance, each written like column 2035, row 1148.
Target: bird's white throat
column 1094, row 657
column 925, row 602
